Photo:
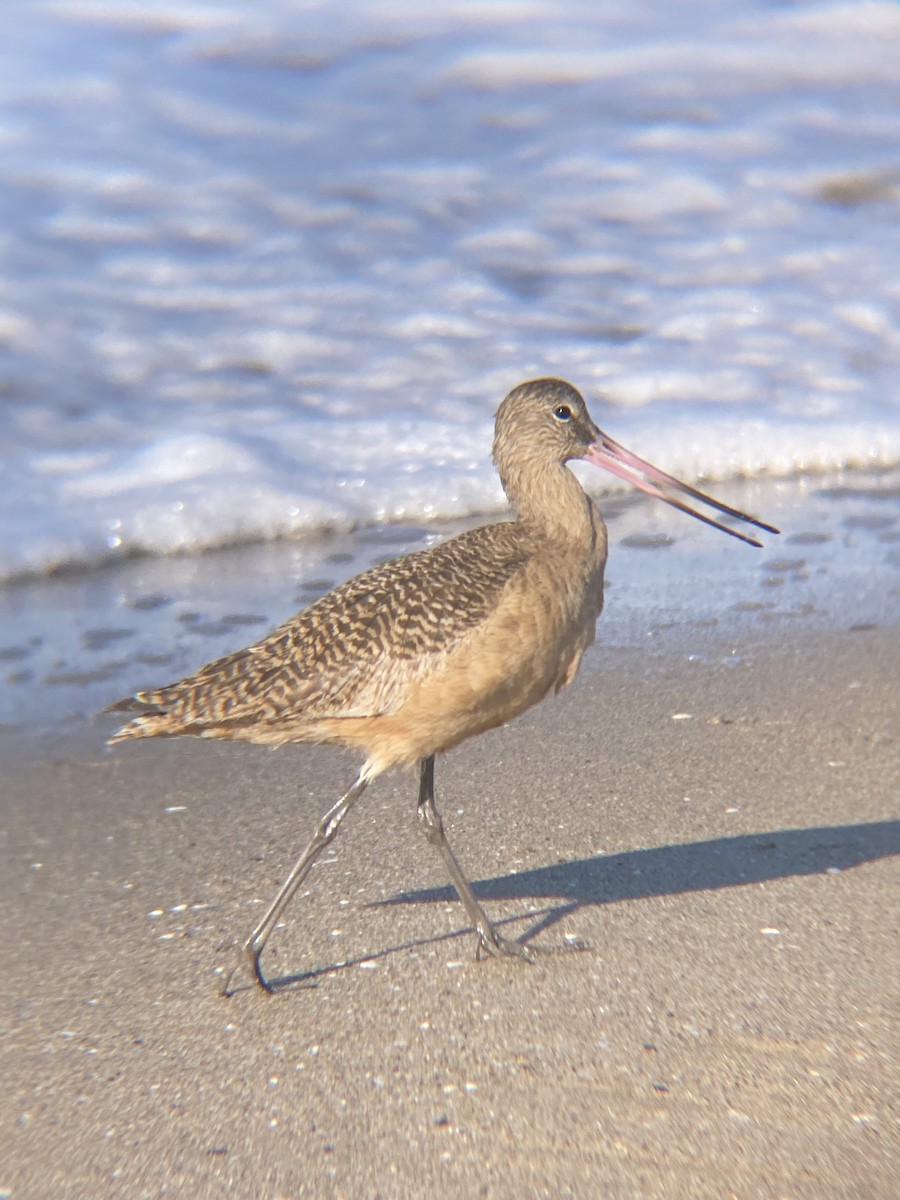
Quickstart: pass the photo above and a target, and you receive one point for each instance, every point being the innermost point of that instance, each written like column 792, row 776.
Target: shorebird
column 410, row 658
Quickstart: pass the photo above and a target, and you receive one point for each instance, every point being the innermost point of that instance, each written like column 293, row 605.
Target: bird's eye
column 562, row 412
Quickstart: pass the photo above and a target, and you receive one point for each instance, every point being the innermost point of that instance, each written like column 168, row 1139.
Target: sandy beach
column 712, row 806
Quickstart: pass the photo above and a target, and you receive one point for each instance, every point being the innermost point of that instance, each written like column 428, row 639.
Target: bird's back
column 356, row 652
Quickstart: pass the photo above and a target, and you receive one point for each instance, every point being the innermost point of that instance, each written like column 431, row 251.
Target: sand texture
column 722, row 831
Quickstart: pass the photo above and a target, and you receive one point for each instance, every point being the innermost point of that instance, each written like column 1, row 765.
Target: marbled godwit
column 410, row 658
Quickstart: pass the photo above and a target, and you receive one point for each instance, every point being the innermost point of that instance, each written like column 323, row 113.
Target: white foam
column 267, row 275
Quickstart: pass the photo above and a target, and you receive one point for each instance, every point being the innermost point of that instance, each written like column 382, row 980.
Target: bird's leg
column 325, row 831
column 489, row 940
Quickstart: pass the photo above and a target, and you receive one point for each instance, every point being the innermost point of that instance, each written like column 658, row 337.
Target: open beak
column 608, row 454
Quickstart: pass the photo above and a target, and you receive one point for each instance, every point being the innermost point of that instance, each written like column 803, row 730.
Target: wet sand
column 713, row 807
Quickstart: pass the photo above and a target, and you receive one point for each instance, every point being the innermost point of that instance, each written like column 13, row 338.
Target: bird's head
column 544, row 423
column 544, row 420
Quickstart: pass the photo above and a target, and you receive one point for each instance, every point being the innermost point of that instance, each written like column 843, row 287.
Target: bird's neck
column 549, row 499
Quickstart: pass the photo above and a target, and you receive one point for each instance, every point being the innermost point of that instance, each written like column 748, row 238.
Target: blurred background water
column 268, row 268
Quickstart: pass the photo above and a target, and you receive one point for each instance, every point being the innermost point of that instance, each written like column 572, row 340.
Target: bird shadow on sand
column 687, row 867
column 662, row 871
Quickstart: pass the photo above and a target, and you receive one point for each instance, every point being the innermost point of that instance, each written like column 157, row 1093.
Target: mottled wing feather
column 359, row 649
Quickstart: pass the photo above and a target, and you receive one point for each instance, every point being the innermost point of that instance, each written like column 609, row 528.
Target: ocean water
column 268, row 268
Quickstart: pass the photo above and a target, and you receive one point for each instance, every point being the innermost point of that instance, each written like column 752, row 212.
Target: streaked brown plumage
column 408, row 659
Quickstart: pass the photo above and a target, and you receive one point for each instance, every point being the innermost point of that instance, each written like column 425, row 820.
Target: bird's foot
column 233, row 982
column 492, row 945
column 249, row 954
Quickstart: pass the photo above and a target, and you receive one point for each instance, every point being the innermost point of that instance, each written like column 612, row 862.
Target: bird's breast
column 529, row 645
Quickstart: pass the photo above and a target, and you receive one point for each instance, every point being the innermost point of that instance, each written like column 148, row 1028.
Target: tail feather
column 150, row 721
column 136, row 703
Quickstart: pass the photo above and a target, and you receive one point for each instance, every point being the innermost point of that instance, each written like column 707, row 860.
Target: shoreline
column 712, row 806
column 71, row 644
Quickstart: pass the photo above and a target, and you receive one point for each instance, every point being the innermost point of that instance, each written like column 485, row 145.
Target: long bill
column 610, row 456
